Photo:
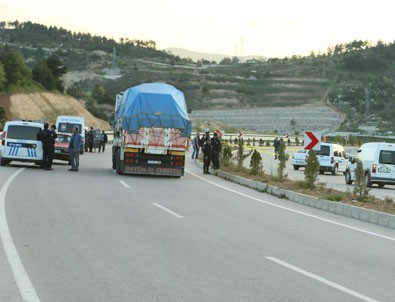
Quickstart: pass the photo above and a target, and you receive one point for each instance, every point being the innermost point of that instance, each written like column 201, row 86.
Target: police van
column 332, row 158
column 378, row 162
column 65, row 124
column 19, row 142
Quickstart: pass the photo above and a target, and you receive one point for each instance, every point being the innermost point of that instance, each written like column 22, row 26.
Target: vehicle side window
column 336, row 153
column 325, row 150
column 387, row 157
column 344, row 154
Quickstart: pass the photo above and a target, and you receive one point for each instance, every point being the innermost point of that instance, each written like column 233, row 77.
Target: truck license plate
column 154, row 162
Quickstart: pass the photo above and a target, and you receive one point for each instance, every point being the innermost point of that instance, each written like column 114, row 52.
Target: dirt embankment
column 47, row 106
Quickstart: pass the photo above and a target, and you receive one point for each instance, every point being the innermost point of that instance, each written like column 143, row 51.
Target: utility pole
column 367, row 101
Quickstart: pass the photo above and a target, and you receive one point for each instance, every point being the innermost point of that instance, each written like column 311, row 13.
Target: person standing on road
column 45, row 137
column 52, row 146
column 75, row 147
column 196, row 145
column 90, row 139
column 216, row 150
column 206, row 156
column 276, row 144
column 103, row 141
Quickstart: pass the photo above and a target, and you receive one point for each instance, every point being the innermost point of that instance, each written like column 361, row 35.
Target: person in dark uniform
column 216, row 150
column 90, row 139
column 52, row 146
column 206, row 156
column 45, row 137
column 103, row 140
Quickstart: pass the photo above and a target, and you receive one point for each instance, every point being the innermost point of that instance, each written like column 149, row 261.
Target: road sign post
column 312, row 140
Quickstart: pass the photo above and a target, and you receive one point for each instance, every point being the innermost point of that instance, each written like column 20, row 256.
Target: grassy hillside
column 355, row 78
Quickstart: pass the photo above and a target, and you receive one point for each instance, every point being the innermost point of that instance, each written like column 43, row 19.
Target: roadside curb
column 371, row 216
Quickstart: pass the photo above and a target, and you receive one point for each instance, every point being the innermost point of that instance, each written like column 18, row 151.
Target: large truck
column 151, row 131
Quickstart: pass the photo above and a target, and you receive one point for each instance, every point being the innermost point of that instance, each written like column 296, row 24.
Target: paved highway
column 98, row 236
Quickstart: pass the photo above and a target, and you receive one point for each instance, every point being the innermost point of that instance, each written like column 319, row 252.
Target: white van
column 378, row 161
column 19, row 142
column 65, row 124
column 332, row 158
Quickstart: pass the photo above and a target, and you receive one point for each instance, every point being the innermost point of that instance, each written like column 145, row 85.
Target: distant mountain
column 195, row 56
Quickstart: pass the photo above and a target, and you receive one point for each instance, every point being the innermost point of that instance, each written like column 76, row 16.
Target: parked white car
column 299, row 159
column 378, row 161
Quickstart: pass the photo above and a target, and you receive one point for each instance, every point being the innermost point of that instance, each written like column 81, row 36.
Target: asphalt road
column 98, row 236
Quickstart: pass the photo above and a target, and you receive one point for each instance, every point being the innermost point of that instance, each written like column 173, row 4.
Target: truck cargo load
column 153, row 127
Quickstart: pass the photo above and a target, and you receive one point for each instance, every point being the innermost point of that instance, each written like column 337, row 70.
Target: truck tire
column 118, row 164
column 3, row 162
column 296, row 167
column 347, row 177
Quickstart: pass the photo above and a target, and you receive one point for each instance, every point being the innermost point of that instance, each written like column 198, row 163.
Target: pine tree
column 311, row 170
column 282, row 157
column 256, row 163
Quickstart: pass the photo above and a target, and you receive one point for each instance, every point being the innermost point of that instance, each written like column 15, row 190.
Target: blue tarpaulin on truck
column 153, row 105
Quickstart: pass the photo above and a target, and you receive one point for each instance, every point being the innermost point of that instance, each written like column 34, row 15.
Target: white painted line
column 124, row 184
column 22, row 279
column 322, row 280
column 167, row 210
column 292, row 210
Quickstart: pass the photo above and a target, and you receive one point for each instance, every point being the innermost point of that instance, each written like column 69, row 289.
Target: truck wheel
column 367, row 180
column 296, row 167
column 381, row 185
column 334, row 170
column 347, row 177
column 118, row 164
column 3, row 162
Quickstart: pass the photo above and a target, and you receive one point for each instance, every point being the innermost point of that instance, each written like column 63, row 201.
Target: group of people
column 48, row 136
column 211, row 148
column 90, row 136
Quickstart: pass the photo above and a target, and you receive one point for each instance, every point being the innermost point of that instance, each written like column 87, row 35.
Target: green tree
column 43, row 75
column 2, row 77
column 75, row 91
column 226, row 156
column 256, row 163
column 360, row 191
column 311, row 170
column 58, row 69
column 282, row 157
column 17, row 73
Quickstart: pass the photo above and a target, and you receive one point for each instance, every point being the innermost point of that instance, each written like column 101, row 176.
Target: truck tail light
column 374, row 167
column 3, row 138
column 332, row 160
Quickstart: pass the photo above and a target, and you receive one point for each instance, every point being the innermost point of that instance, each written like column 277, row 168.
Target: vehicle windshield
column 63, row 138
column 23, row 132
column 68, row 127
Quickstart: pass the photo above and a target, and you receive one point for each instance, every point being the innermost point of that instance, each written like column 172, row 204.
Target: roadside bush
column 282, row 157
column 256, row 163
column 226, row 156
column 311, row 170
column 360, row 192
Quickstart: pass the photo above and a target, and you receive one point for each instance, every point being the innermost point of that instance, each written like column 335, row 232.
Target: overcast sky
column 273, row 28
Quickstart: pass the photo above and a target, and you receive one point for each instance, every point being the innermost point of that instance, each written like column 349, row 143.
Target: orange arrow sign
column 314, row 140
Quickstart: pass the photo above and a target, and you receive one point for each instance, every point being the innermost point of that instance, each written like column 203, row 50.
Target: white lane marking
column 322, row 280
column 167, row 210
column 22, row 279
column 124, row 184
column 294, row 211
